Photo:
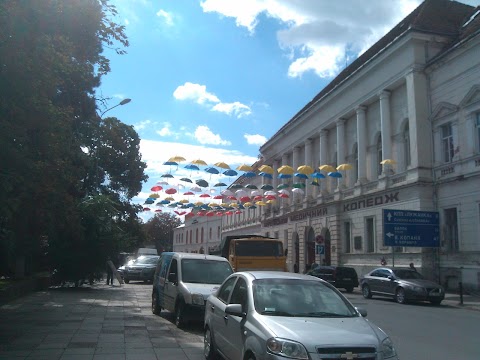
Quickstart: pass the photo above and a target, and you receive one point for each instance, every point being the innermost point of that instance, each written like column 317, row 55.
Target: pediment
column 472, row 96
column 443, row 109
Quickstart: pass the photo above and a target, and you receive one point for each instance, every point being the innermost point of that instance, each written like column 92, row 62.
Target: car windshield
column 203, row 271
column 146, row 260
column 299, row 298
column 407, row 274
column 258, row 248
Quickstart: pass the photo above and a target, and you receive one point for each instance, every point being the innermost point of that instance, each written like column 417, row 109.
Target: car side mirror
column 362, row 311
column 235, row 310
column 172, row 277
column 391, row 277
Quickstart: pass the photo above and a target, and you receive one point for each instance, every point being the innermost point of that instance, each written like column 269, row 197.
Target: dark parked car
column 342, row 277
column 401, row 284
column 142, row 269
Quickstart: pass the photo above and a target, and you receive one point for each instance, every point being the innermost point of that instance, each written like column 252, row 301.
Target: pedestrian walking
column 109, row 271
column 413, row 267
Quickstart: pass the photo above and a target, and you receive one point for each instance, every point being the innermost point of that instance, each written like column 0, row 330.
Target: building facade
column 406, row 117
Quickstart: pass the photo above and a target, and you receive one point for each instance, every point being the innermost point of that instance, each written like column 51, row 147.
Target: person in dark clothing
column 413, row 267
column 109, row 272
column 295, row 268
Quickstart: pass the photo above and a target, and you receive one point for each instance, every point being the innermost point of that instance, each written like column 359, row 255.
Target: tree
column 51, row 62
column 159, row 231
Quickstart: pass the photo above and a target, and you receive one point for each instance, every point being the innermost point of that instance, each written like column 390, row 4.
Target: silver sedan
column 259, row 315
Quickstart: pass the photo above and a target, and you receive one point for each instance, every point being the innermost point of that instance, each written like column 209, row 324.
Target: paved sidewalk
column 98, row 322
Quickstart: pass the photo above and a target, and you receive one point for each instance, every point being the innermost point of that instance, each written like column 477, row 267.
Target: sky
column 215, row 79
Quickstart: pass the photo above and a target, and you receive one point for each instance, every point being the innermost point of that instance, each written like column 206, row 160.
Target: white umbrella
column 256, row 192
column 284, row 191
column 226, row 192
column 298, row 191
column 270, row 192
column 239, row 193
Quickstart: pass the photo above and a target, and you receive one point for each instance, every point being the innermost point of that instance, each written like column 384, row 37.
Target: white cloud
column 255, row 139
column 142, row 125
column 205, row 136
column 317, row 34
column 165, row 131
column 166, row 16
column 199, row 94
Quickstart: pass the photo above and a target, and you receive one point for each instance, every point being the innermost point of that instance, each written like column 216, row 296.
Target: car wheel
column 435, row 302
column 179, row 315
column 367, row 294
column 349, row 289
column 155, row 305
column 126, row 280
column 400, row 296
column 209, row 349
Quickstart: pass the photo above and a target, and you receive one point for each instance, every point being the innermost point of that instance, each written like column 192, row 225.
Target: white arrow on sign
column 389, row 216
column 389, row 234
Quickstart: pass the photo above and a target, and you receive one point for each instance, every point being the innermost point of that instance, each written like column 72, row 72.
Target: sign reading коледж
column 411, row 228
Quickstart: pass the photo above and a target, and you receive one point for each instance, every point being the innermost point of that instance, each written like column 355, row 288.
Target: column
column 385, row 127
column 419, row 125
column 362, row 144
column 308, row 161
column 340, row 147
column 323, row 156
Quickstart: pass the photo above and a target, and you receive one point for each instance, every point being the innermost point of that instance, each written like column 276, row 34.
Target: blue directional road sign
column 320, row 249
column 411, row 228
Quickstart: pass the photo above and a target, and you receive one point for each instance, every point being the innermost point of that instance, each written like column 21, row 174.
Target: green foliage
column 51, row 62
column 159, row 230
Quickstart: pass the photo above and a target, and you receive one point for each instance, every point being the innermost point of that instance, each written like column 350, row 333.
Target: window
column 406, row 148
column 370, row 234
column 196, row 235
column 451, row 229
column 357, row 241
column 447, row 143
column 379, row 155
column 210, row 234
column 239, row 294
column 347, row 229
column 226, row 289
column 201, row 236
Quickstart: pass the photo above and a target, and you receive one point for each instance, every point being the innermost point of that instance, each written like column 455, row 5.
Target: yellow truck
column 253, row 252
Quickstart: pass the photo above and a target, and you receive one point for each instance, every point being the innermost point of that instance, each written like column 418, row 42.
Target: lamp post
column 123, row 102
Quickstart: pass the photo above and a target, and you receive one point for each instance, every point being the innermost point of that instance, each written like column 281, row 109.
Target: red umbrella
column 146, row 209
column 258, row 198
column 189, row 193
column 231, row 197
column 204, row 196
column 245, row 198
column 157, row 188
column 201, row 213
column 217, row 197
column 158, row 210
column 210, row 213
column 238, row 212
column 270, row 197
column 219, row 213
column 170, row 191
column 283, row 196
column 228, row 212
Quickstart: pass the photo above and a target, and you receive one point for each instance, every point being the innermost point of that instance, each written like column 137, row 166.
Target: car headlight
column 388, row 349
column 197, row 299
column 288, row 348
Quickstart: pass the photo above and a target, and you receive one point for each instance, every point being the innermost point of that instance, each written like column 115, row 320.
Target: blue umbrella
column 301, row 176
column 212, row 170
column 284, row 176
column 266, row 187
column 170, row 163
column 266, row 175
column 250, row 174
column 230, row 172
column 334, row 174
column 191, row 167
column 318, row 175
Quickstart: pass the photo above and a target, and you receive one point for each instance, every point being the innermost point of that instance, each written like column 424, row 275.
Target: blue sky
column 214, row 79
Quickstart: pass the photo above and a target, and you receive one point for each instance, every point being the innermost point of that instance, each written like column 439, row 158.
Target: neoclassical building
column 412, row 99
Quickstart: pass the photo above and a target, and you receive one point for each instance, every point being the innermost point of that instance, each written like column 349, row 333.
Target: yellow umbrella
column 184, row 201
column 198, row 162
column 343, row 167
column 198, row 203
column 327, row 168
column 245, row 167
column 177, row 159
column 285, row 169
column 170, row 198
column 247, row 204
column 222, row 165
column 305, row 169
column 388, row 162
column 154, row 196
column 266, row 169
column 271, row 201
column 260, row 203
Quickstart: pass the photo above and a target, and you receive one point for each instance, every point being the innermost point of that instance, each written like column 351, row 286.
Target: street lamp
column 123, row 102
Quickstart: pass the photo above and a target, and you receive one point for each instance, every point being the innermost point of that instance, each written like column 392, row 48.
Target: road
column 422, row 331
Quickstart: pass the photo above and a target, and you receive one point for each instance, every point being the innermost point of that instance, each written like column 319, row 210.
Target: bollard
column 460, row 289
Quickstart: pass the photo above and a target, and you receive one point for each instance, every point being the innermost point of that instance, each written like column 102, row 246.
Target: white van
column 183, row 281
column 146, row 251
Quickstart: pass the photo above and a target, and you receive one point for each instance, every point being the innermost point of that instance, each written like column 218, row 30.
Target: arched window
column 201, row 236
column 210, row 234
column 196, row 235
column 379, row 155
column 406, row 148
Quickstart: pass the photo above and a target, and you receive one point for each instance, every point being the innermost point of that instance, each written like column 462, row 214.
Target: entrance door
column 328, row 250
column 310, row 258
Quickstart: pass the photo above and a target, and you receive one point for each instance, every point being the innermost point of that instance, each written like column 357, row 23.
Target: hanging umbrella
column 169, row 176
column 170, row 163
column 217, row 197
column 230, row 172
column 212, row 170
column 266, row 187
column 169, row 198
column 247, row 204
column 158, row 210
column 156, row 188
column 284, row 176
column 315, row 183
column 177, row 159
column 284, row 196
column 266, row 169
column 305, row 169
column 191, row 167
column 170, row 191
column 198, row 162
column 270, row 197
column 241, row 192
column 205, row 195
column 245, row 199
column 298, row 191
column 284, row 191
column 228, row 213
column 282, row 186
column 184, row 201
column 164, row 202
column 318, row 175
column 266, row 175
column 249, row 174
column 343, row 167
column 335, row 174
column 240, row 206
column 327, row 168
column 301, row 175
column 271, row 201
column 285, row 169
column 146, row 209
column 251, row 186
column 261, row 203
column 188, row 193
column 256, row 193
column 195, row 189
column 270, row 192
column 222, row 165
column 236, row 186
column 238, row 212
column 231, row 197
column 201, row 183
column 388, row 162
column 244, row 167
column 149, row 201
column 252, row 207
column 162, row 183
column 226, row 192
column 298, row 186
column 186, row 180
column 233, row 205
column 257, row 198
column 154, row 196
column 220, row 184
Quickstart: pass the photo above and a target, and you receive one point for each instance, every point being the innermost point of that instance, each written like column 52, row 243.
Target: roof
column 443, row 17
column 195, row 256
